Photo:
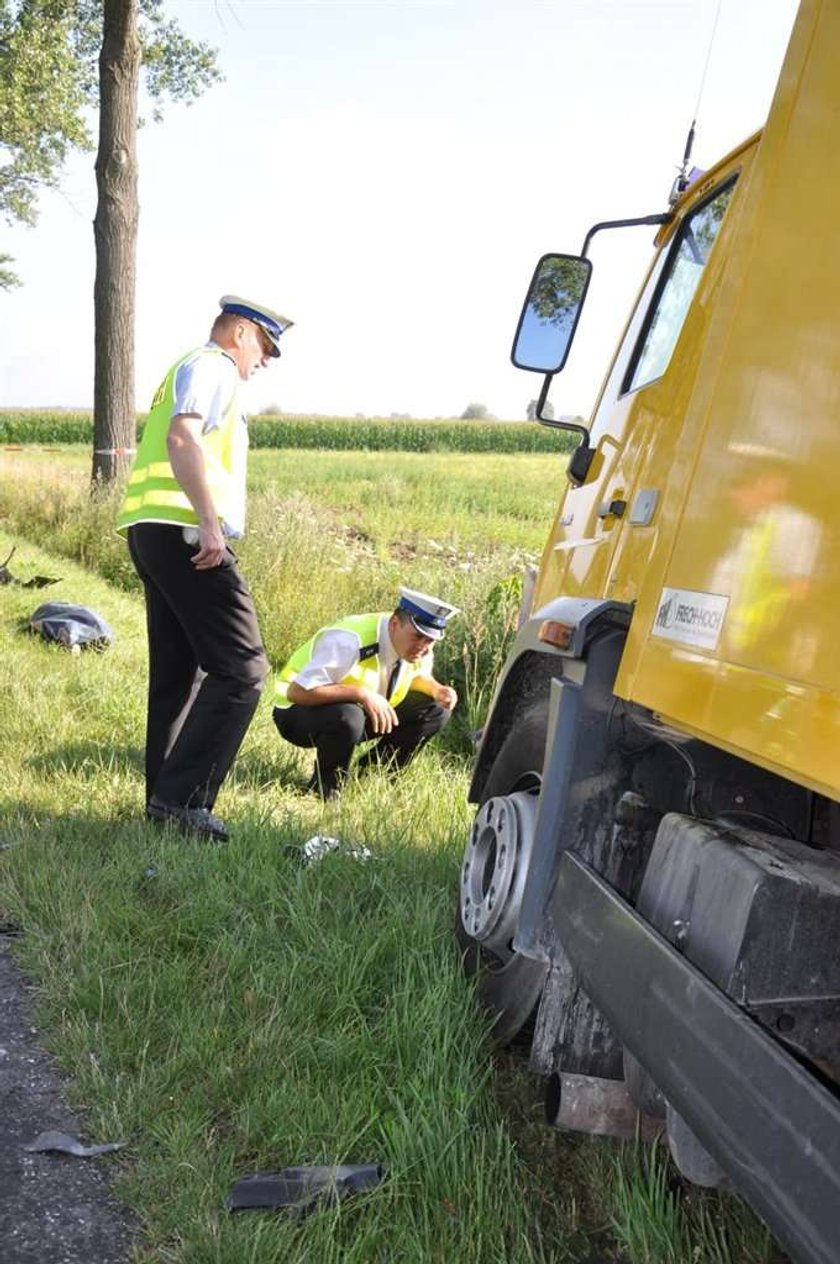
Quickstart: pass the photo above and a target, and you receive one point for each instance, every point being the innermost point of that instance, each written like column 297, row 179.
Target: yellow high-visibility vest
column 366, row 671
column 153, row 493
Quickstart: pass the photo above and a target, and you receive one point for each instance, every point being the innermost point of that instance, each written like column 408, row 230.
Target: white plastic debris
column 321, row 845
column 65, row 1144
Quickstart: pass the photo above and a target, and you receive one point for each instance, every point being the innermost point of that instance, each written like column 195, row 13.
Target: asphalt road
column 54, row 1209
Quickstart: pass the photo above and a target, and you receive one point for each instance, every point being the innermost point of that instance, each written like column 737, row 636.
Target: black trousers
column 336, row 729
column 207, row 666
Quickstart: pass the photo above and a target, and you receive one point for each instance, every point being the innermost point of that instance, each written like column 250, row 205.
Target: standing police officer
column 185, row 499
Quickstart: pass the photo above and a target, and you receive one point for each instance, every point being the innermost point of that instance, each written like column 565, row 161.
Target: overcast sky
column 386, row 173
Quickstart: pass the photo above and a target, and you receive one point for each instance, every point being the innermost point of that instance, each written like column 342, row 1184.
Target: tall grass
column 656, row 1224
column 330, row 535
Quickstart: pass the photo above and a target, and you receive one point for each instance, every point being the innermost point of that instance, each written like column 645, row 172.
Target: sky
column 386, row 173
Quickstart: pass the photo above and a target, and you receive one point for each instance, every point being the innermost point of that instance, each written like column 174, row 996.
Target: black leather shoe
column 198, row 821
column 326, row 790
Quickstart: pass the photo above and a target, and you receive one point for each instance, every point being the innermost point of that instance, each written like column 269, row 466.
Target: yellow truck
column 651, row 886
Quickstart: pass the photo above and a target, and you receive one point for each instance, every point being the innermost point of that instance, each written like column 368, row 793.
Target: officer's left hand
column 445, row 696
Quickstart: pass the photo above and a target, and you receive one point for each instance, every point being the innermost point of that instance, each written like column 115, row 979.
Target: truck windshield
column 685, row 267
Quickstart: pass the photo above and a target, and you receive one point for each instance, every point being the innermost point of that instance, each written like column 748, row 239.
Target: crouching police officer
column 368, row 676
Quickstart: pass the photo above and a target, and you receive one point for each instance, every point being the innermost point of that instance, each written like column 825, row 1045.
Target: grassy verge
column 228, row 1010
column 335, row 533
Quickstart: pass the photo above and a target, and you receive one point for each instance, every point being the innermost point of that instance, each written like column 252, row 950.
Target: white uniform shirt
column 336, row 652
column 205, row 386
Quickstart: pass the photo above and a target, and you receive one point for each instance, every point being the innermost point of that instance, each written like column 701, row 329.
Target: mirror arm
column 583, row 454
column 664, row 218
column 550, row 421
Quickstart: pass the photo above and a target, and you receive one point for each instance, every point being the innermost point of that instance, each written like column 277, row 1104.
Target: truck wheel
column 493, row 876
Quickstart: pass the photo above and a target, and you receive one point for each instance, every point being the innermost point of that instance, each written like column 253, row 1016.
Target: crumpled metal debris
column 37, row 581
column 65, row 1144
column 321, row 845
column 300, row 1190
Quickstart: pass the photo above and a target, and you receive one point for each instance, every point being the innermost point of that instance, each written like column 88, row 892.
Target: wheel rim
column 493, row 871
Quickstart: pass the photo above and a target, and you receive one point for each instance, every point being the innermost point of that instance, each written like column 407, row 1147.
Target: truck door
column 607, row 528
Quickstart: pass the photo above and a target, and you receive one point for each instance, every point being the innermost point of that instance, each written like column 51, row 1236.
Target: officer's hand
column 211, row 547
column 380, row 713
column 445, row 696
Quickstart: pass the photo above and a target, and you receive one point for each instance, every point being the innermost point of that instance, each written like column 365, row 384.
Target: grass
column 331, row 533
column 228, row 1010
column 656, row 1222
column 466, row 506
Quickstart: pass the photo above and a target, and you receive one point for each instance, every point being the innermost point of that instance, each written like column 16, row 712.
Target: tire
column 508, row 983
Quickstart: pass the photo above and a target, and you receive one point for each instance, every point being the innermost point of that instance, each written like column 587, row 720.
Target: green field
column 372, row 434
column 331, row 533
column 228, row 1010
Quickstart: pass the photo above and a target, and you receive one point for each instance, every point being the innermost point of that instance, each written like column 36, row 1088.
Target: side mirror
column 550, row 313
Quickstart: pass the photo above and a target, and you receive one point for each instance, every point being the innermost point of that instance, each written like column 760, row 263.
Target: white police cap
column 271, row 322
column 429, row 615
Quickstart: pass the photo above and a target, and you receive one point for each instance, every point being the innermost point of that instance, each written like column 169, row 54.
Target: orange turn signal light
column 557, row 634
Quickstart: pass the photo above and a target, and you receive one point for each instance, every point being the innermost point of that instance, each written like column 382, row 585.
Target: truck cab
column 651, row 887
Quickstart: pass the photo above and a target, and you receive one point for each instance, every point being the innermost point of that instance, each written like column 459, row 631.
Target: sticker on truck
column 694, row 618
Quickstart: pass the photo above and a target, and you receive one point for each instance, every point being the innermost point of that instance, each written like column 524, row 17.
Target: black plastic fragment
column 301, row 1189
column 37, row 581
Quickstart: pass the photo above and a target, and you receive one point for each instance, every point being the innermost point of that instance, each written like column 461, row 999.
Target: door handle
column 612, row 508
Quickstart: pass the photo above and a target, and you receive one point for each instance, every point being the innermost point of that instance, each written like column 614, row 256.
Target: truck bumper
column 770, row 1123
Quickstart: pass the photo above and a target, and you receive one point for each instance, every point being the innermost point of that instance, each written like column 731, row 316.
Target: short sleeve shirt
column 204, row 387
column 336, row 652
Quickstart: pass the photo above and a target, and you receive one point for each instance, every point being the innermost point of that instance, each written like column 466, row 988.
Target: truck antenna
column 684, row 171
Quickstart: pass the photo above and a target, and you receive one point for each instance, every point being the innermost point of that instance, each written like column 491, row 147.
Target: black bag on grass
column 71, row 625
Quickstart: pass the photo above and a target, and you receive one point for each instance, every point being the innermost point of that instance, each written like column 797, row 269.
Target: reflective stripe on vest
column 365, row 672
column 153, row 493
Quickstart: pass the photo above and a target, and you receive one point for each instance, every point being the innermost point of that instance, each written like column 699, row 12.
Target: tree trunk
column 115, row 233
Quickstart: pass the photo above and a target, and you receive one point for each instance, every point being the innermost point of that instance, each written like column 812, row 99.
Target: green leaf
column 49, row 52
